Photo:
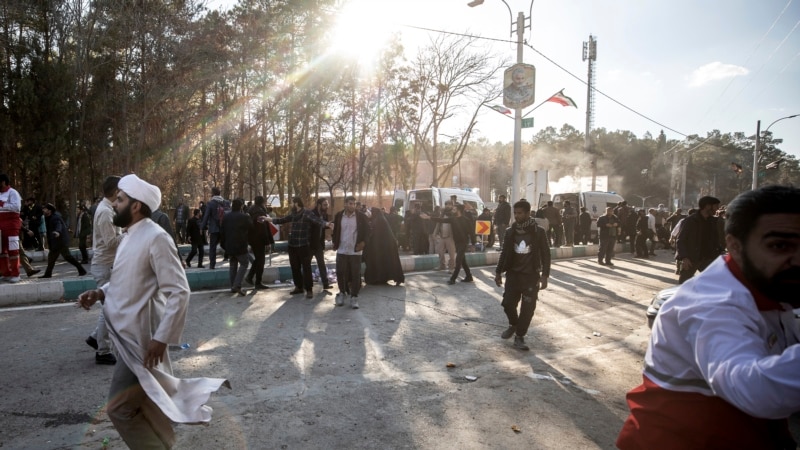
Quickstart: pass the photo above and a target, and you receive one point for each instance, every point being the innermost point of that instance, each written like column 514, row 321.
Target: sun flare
column 362, row 31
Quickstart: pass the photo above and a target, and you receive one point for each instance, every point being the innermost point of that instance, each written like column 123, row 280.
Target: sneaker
column 354, row 302
column 296, row 291
column 309, row 294
column 91, row 342
column 340, row 299
column 509, row 332
column 13, row 280
column 107, row 359
column 519, row 343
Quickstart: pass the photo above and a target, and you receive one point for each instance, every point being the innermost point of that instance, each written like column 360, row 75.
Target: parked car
column 666, row 294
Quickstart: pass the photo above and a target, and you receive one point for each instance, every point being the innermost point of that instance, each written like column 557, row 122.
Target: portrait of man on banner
column 518, row 82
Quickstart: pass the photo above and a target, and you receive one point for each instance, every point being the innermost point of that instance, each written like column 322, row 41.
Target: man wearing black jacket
column 260, row 240
column 463, row 228
column 698, row 241
column 502, row 217
column 234, row 234
column 350, row 233
column 525, row 259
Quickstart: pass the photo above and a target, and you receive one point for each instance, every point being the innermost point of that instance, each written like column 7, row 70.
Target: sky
column 692, row 66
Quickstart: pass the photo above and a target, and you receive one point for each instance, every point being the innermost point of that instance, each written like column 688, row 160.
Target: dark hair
column 707, row 200
column 145, row 210
column 31, row 199
column 215, row 191
column 110, row 186
column 525, row 206
column 299, row 201
column 259, row 200
column 744, row 211
column 566, row 202
column 196, row 211
column 349, row 198
column 460, row 208
column 237, row 204
column 4, row 177
column 49, row 206
column 321, row 200
column 550, row 203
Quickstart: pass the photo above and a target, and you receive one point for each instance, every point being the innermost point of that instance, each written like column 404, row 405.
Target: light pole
column 643, row 198
column 758, row 146
column 520, row 31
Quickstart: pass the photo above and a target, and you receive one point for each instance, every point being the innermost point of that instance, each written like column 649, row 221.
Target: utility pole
column 590, row 54
column 755, row 154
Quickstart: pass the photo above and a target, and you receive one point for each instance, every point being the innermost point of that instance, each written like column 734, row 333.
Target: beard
column 123, row 218
column 781, row 287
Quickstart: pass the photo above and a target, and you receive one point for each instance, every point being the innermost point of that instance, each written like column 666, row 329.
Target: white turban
column 141, row 190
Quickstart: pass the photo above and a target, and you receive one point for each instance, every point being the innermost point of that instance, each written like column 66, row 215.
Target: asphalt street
column 308, row 374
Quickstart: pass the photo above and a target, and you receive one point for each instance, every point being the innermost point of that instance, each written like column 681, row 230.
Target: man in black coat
column 260, row 241
column 463, row 228
column 502, row 217
column 57, row 241
column 234, row 233
column 196, row 237
column 698, row 242
column 316, row 240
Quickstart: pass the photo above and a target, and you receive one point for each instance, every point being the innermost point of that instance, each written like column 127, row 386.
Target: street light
column 520, row 30
column 758, row 146
column 643, row 198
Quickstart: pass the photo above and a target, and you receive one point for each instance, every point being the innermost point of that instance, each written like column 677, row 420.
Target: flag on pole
column 501, row 109
column 562, row 99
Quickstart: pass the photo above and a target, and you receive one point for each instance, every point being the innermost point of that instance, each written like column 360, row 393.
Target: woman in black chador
column 380, row 255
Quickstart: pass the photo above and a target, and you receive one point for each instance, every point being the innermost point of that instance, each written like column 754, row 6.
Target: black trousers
column 259, row 259
column 52, row 256
column 520, row 287
column 213, row 241
column 348, row 273
column 197, row 248
column 461, row 262
column 300, row 260
column 319, row 255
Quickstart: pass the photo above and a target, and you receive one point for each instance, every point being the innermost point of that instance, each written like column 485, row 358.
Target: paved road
column 307, row 374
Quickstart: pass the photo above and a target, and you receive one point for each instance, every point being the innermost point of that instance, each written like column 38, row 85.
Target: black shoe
column 467, row 280
column 200, row 266
column 261, row 286
column 33, row 272
column 46, row 276
column 92, row 342
column 107, row 359
column 82, row 272
column 188, row 265
column 327, row 286
column 609, row 263
column 451, row 281
column 509, row 332
column 309, row 294
column 601, row 263
column 519, row 343
column 249, row 280
column 296, row 291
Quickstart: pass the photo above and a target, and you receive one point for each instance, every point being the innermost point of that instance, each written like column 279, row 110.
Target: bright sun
column 362, row 30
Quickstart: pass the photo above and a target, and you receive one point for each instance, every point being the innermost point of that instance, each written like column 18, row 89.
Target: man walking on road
column 58, row 242
column 463, row 228
column 525, row 259
column 721, row 366
column 105, row 240
column 147, row 297
column 234, row 234
column 350, row 233
column 212, row 220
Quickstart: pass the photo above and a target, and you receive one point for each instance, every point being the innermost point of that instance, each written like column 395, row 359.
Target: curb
column 25, row 293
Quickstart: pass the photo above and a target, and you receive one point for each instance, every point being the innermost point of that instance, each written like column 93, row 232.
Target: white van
column 432, row 197
column 595, row 203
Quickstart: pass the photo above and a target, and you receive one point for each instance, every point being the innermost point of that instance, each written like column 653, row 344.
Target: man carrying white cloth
column 145, row 304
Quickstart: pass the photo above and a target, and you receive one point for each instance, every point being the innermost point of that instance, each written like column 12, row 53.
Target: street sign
column 483, row 227
column 527, row 122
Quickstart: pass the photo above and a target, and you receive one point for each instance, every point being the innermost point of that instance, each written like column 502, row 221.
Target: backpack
column 220, row 213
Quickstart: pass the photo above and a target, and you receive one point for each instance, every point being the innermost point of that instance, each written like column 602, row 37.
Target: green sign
column 527, row 123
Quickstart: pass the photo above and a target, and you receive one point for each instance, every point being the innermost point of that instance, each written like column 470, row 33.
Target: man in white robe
column 145, row 304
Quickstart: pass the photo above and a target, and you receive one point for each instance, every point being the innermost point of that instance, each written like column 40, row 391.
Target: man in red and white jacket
column 721, row 369
column 10, row 204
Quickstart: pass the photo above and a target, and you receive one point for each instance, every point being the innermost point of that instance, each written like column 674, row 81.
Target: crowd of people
column 720, row 364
